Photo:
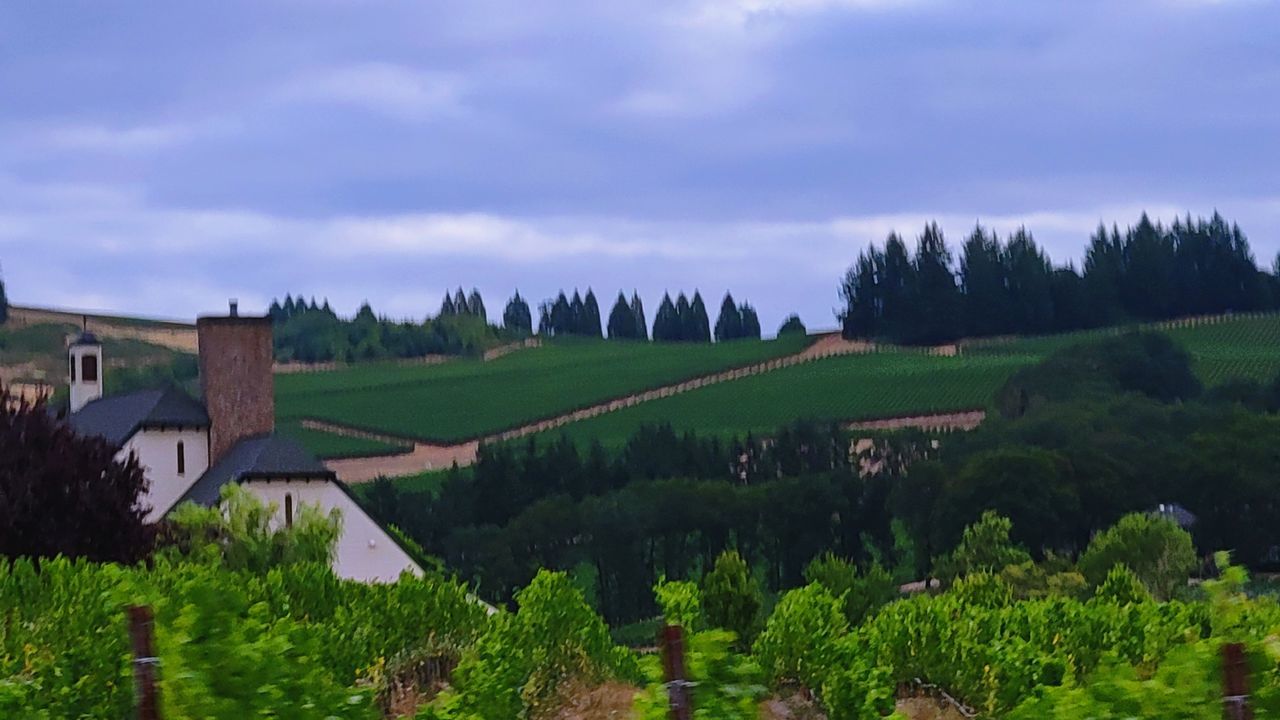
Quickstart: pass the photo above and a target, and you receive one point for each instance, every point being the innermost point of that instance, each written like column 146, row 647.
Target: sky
column 160, row 158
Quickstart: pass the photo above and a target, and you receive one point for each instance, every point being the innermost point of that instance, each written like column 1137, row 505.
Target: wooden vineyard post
column 1235, row 686
column 141, row 623
column 671, row 640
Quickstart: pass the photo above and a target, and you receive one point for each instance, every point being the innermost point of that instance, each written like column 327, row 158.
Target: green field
column 328, row 446
column 895, row 382
column 39, row 352
column 464, row 399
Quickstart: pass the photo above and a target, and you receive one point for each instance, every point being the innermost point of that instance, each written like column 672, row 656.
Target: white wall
column 157, row 450
column 365, row 552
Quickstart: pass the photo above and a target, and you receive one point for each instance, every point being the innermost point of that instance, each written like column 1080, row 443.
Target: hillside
column 896, row 382
column 465, row 399
column 34, row 354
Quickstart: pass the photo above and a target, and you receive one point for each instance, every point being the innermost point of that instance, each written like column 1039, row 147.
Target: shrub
column 731, row 597
column 798, row 644
column 726, row 685
column 984, row 547
column 859, row 594
column 681, row 604
column 1122, row 587
column 1158, row 552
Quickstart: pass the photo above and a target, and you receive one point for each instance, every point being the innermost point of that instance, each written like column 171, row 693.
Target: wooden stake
column 1235, row 686
column 671, row 640
column 146, row 697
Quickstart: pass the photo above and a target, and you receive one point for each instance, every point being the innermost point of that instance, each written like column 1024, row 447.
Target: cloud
column 100, row 138
column 388, row 89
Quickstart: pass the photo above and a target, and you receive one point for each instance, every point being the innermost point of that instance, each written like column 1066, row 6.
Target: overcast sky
column 161, row 157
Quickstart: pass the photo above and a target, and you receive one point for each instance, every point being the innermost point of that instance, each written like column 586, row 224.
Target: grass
column 426, row 482
column 41, row 350
column 329, row 446
column 899, row 382
column 464, row 399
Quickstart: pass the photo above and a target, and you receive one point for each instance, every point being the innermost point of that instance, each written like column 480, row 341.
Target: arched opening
column 182, row 458
column 288, row 509
column 89, row 368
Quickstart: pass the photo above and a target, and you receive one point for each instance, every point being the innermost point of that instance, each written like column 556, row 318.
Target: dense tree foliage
column 793, row 325
column 516, row 318
column 683, row 320
column 1149, row 272
column 563, row 316
column 62, row 494
column 736, row 321
column 308, row 332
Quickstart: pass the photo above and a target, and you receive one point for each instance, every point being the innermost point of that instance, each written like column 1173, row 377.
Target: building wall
column 157, row 451
column 235, row 374
column 365, row 552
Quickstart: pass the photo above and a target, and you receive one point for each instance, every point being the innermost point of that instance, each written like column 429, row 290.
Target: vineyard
column 334, row 445
column 469, row 398
column 895, row 382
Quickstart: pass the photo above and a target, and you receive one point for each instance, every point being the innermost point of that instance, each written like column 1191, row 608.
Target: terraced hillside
column 464, row 399
column 895, row 382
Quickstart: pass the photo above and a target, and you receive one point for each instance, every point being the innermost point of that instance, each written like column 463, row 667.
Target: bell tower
column 84, row 363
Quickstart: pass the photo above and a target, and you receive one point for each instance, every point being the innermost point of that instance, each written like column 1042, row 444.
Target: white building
column 191, row 449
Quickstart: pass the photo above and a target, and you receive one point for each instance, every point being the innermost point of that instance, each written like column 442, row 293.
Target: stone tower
column 235, row 376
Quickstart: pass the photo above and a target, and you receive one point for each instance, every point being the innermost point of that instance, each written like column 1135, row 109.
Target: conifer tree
column 475, row 305
column 4, row 304
column 460, row 306
column 750, row 322
column 517, row 318
column 590, row 323
column 982, row 283
column 447, row 307
column 729, row 324
column 666, row 324
column 700, row 322
column 936, row 303
column 637, row 311
column 622, row 324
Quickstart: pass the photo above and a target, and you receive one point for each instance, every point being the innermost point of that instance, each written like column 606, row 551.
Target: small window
column 73, row 368
column 182, row 458
column 89, row 368
column 288, row 509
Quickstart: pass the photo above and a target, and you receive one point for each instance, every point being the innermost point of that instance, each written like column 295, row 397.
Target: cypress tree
column 561, row 316
column 1029, row 280
column 684, row 318
column 793, row 325
column 447, row 307
column 729, row 324
column 861, row 291
column 897, row 289
column 475, row 305
column 701, row 322
column 982, row 282
column 750, row 322
column 460, row 306
column 516, row 318
column 666, row 324
column 576, row 311
column 4, row 304
column 622, row 324
column 590, row 315
column 637, row 311
column 937, row 301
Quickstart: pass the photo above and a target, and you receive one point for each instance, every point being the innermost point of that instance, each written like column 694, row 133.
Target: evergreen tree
column 861, row 294
column 937, row 301
column 729, row 324
column 622, row 324
column 447, row 307
column 793, row 325
column 699, row 321
column 666, row 324
column 750, row 322
column 1030, row 294
column 576, row 313
column 475, row 305
column 897, row 290
column 516, row 318
column 1147, row 290
column 1103, row 275
column 1070, row 303
column 561, row 315
column 684, row 318
column 637, row 311
column 982, row 282
column 590, row 324
column 460, row 306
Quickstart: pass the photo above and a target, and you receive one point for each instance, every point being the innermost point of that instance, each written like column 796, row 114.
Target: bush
column 984, row 547
column 1158, row 552
column 681, row 604
column 1122, row 587
column 859, row 595
column 731, row 597
column 798, row 644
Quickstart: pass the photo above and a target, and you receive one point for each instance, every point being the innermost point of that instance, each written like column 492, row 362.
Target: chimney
column 235, row 376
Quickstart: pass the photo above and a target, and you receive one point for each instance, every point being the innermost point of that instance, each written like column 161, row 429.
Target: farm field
column 896, row 382
column 328, row 446
column 465, row 399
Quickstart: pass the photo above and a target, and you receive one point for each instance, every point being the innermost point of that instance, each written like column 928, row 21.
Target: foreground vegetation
column 461, row 400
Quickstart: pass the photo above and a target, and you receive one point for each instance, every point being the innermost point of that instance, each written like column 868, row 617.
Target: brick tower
column 235, row 376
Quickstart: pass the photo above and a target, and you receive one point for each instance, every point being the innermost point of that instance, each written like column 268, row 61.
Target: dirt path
column 429, row 456
column 966, row 420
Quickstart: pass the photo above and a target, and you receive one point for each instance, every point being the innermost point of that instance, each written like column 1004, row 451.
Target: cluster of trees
column 311, row 332
column 1096, row 432
column 682, row 320
column 462, row 304
column 626, row 320
column 736, row 321
column 579, row 316
column 516, row 318
column 1149, row 272
column 4, row 304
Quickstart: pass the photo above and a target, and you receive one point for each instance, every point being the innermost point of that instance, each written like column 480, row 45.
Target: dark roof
column 86, row 338
column 117, row 418
column 262, row 457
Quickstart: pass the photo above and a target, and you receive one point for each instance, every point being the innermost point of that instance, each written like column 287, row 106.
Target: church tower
column 85, row 365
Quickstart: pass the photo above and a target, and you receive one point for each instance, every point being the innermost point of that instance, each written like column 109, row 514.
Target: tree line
column 1095, row 432
column 1148, row 272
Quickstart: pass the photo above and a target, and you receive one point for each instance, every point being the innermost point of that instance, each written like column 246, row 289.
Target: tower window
column 288, row 509
column 182, row 458
column 73, row 368
column 89, row 368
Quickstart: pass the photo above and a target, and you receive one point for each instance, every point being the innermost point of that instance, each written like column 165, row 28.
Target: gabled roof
column 262, row 457
column 117, row 418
